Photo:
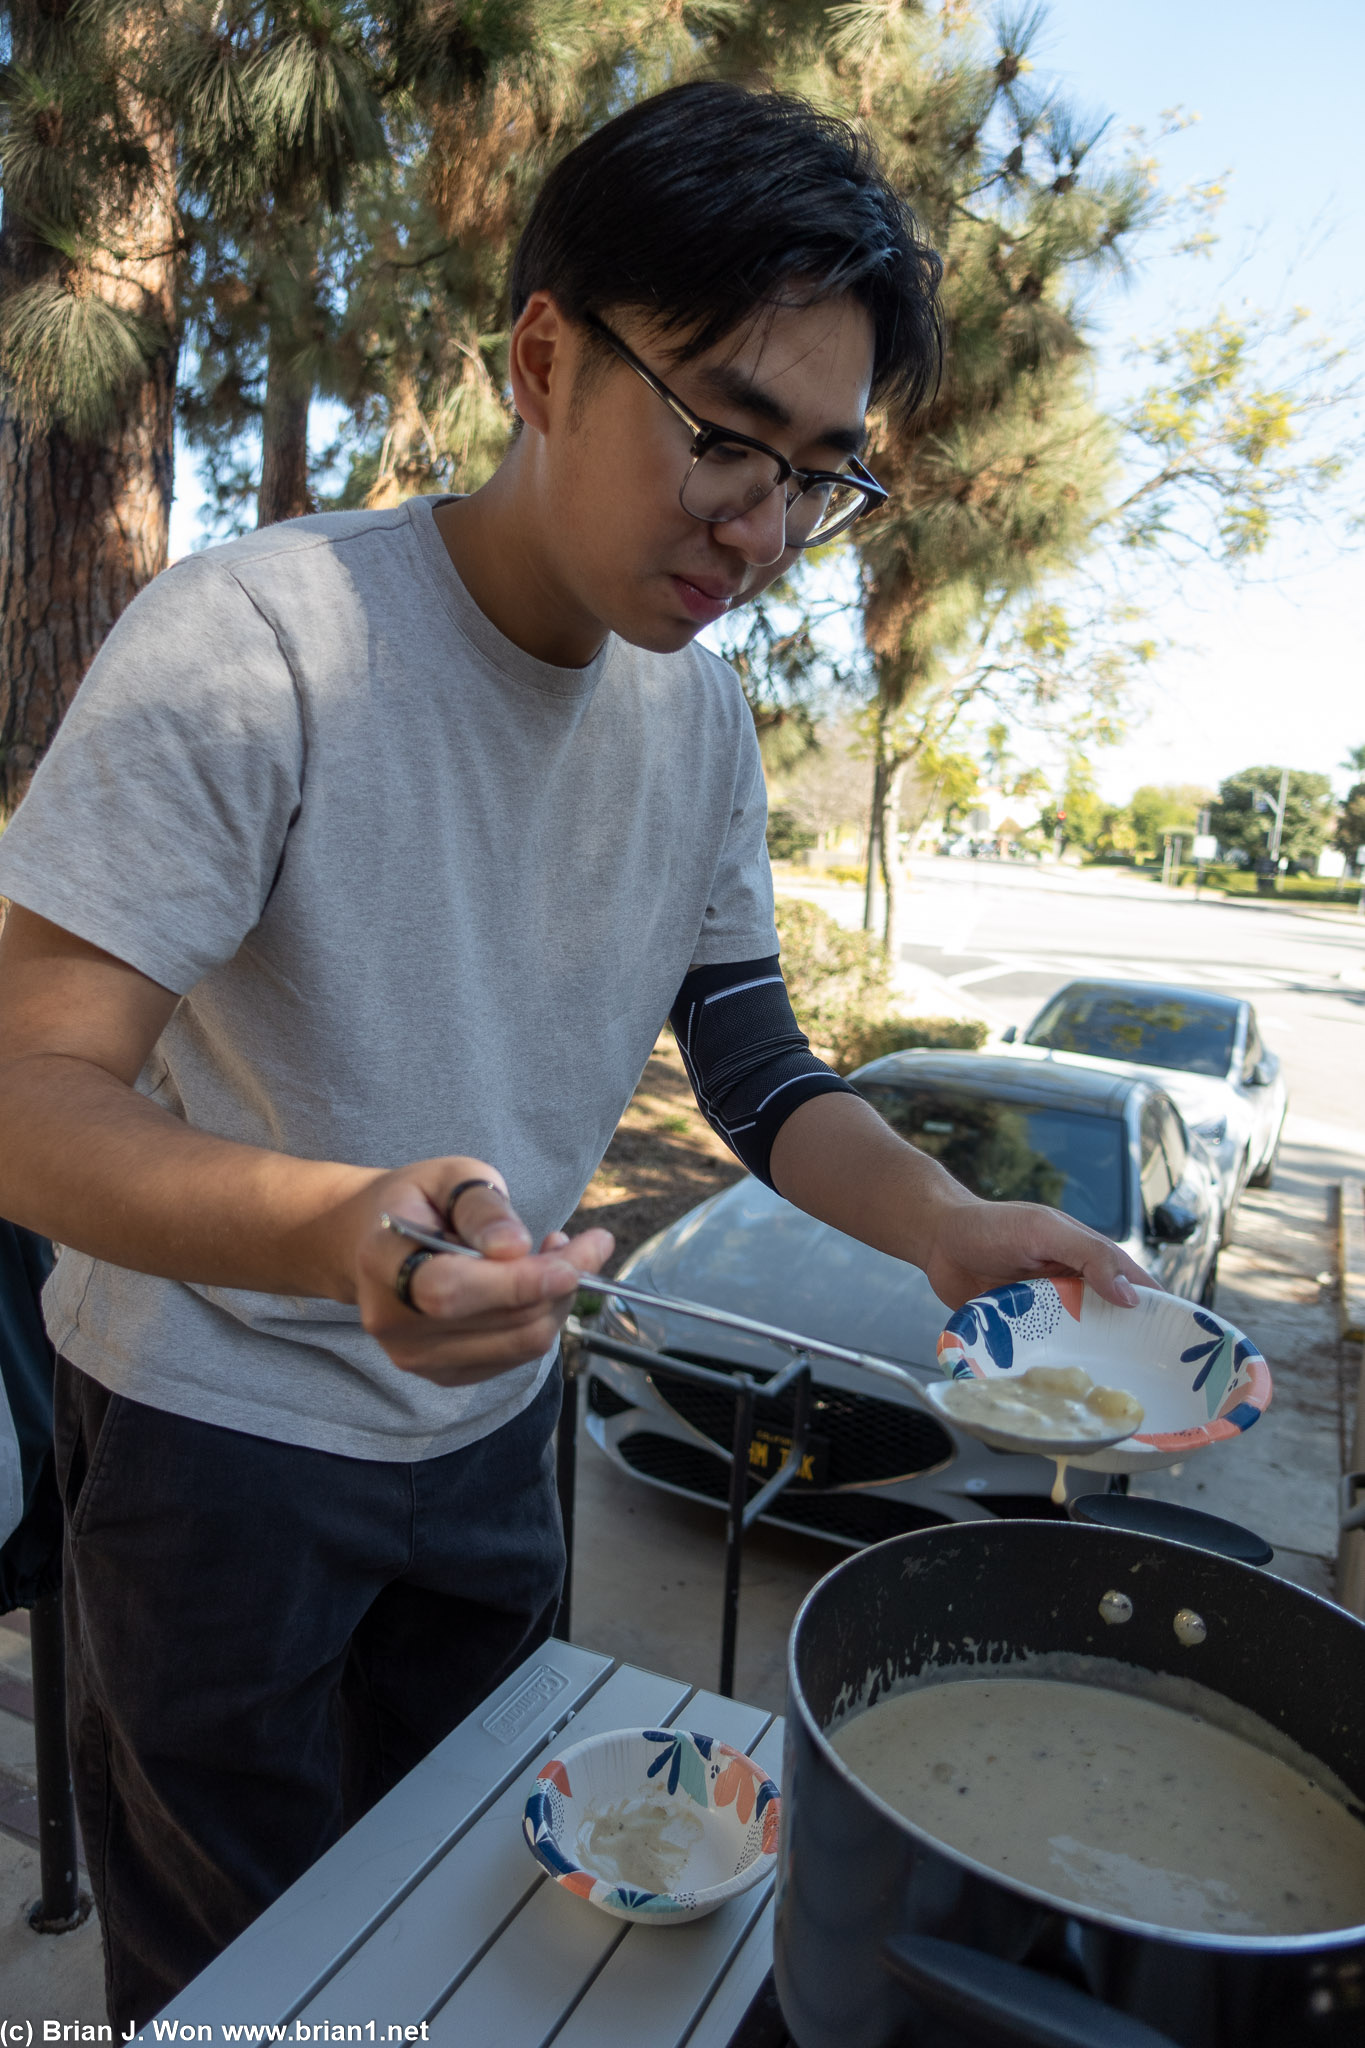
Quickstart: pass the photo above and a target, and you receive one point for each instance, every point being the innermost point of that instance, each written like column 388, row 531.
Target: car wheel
column 1210, row 1286
column 1264, row 1176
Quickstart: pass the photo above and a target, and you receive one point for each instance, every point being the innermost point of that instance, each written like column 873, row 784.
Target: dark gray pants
column 261, row 1640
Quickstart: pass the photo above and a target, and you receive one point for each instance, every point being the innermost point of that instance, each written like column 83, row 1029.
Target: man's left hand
column 835, row 1158
column 977, row 1245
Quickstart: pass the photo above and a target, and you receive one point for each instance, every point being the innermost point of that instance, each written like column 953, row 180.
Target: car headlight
column 617, row 1320
column 1214, row 1131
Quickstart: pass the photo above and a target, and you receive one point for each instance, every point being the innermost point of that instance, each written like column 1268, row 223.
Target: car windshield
column 1182, row 1032
column 1013, row 1151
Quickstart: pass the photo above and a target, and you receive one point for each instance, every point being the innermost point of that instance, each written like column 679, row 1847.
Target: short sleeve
column 156, row 824
column 738, row 924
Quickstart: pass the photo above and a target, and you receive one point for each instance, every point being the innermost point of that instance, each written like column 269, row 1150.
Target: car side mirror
column 1262, row 1074
column 1009, row 1034
column 1172, row 1223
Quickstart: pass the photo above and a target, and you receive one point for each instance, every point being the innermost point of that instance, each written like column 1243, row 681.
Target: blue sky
column 1268, row 671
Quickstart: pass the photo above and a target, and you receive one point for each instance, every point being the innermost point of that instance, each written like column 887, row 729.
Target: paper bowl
column 1199, row 1380
column 657, row 1824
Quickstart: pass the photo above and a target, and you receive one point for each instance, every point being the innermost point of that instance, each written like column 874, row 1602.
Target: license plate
column 768, row 1453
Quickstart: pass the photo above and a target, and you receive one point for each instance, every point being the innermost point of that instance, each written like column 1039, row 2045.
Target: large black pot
column 886, row 1938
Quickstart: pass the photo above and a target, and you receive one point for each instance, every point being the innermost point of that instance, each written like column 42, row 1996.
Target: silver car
column 1206, row 1050
column 1109, row 1150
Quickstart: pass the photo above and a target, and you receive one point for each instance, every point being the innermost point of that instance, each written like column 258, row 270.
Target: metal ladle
column 925, row 1397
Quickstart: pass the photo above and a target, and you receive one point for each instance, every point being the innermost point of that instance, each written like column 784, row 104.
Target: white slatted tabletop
column 430, row 1920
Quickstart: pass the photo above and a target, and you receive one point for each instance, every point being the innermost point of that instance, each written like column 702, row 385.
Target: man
column 393, row 837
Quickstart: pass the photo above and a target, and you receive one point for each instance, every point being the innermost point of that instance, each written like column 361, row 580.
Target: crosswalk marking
column 1000, row 965
column 990, row 973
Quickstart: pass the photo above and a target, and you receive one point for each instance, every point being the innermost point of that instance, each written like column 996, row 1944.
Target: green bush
column 841, row 990
column 1291, row 889
column 831, row 973
column 860, row 1039
column 858, row 875
column 787, row 837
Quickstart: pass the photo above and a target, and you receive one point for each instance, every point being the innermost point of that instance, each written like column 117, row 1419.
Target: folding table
column 430, row 1920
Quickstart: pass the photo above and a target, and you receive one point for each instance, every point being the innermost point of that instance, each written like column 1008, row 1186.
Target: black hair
column 709, row 201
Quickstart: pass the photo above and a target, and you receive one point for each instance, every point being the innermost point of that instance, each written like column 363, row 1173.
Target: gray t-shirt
column 419, row 893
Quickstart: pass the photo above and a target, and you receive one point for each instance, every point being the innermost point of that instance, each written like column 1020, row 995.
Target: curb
column 1351, row 1258
column 1351, row 1310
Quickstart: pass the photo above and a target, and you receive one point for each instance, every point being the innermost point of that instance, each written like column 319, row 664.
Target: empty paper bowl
column 1199, row 1380
column 654, row 1824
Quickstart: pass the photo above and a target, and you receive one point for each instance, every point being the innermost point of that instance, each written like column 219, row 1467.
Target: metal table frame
column 740, row 1513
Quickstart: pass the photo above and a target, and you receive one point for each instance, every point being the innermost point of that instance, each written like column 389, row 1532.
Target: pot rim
column 1230, row 1944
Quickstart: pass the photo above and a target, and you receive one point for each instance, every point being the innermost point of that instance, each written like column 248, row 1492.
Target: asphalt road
column 1005, row 938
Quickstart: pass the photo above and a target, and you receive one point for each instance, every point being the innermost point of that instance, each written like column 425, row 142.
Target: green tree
column 90, row 260
column 995, row 485
column 1243, row 816
column 1349, row 836
column 1012, row 477
column 946, row 783
column 1240, row 432
column 493, row 95
column 1116, row 834
column 1078, row 814
column 1159, row 808
column 1350, row 833
column 281, row 109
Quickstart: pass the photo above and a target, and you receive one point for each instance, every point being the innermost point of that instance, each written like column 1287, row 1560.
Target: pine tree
column 282, row 111
column 493, row 100
column 90, row 252
column 997, row 482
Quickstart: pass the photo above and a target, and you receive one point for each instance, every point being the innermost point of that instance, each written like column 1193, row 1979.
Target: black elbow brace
column 748, row 1060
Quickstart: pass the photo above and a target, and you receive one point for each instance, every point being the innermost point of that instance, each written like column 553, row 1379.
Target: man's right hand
column 470, row 1319
column 90, row 1162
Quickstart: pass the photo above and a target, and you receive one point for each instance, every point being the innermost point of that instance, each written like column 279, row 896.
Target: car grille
column 870, row 1441
column 604, row 1400
column 854, row 1517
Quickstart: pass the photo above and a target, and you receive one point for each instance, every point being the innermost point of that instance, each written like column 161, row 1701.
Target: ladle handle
column 997, row 2003
column 728, row 1319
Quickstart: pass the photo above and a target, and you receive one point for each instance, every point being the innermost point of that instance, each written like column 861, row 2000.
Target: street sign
column 1205, row 847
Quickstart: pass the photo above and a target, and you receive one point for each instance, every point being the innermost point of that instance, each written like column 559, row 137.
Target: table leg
column 61, row 1906
column 734, row 1528
column 566, row 1477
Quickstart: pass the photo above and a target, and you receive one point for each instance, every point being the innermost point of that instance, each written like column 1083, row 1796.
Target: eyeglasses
column 731, row 473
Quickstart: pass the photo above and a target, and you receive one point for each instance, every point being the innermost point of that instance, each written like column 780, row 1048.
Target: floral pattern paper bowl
column 656, row 1824
column 1199, row 1380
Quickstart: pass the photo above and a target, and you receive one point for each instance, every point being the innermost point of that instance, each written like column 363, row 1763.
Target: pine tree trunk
column 83, row 525
column 284, row 452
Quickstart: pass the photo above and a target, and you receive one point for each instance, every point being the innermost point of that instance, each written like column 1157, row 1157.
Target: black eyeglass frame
column 707, row 435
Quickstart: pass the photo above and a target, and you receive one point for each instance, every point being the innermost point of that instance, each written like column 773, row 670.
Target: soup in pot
column 1116, row 1803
